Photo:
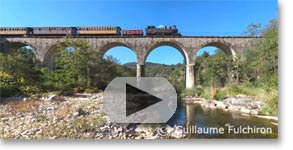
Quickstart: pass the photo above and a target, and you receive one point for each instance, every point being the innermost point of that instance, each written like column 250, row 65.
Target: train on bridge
column 102, row 31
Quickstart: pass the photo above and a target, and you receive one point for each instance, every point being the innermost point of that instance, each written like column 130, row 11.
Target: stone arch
column 104, row 48
column 222, row 45
column 19, row 44
column 173, row 44
column 14, row 45
column 49, row 57
column 49, row 53
column 189, row 71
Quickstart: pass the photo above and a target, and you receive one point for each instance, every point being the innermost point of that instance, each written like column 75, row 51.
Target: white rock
column 254, row 112
column 177, row 133
column 245, row 110
column 142, row 128
column 75, row 114
column 169, row 128
column 52, row 97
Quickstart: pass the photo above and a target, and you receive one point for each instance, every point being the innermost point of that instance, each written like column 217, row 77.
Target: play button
column 137, row 99
column 140, row 100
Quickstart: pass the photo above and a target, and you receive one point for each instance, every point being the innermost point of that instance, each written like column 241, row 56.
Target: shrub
column 270, row 98
column 192, row 92
column 90, row 90
column 220, row 94
column 7, row 86
column 7, row 91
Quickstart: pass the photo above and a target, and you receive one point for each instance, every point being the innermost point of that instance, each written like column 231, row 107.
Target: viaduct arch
column 141, row 46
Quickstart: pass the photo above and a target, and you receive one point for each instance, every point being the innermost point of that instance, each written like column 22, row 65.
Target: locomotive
column 88, row 31
column 162, row 31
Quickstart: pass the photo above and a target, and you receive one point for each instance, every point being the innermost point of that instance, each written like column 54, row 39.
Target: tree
column 19, row 73
column 79, row 67
column 262, row 61
column 212, row 70
column 253, row 30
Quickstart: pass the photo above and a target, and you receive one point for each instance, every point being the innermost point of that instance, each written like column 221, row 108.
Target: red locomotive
column 132, row 32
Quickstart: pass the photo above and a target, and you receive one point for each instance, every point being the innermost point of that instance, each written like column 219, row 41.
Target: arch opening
column 168, row 62
column 172, row 45
column 105, row 48
column 14, row 46
column 221, row 46
column 49, row 58
column 24, row 50
column 121, row 54
column 117, row 61
column 213, row 66
column 19, row 69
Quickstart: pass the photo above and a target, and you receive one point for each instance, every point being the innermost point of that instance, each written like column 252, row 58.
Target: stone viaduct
column 44, row 47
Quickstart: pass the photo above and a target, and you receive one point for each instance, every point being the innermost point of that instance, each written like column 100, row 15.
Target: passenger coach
column 99, row 30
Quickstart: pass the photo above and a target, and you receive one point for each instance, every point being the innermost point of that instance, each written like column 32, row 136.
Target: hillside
column 133, row 64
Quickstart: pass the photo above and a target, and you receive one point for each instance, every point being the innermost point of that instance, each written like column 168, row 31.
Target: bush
column 78, row 90
column 220, row 94
column 7, row 87
column 8, row 91
column 90, row 90
column 196, row 92
column 270, row 99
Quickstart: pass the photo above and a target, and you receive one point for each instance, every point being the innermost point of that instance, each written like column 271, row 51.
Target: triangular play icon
column 137, row 100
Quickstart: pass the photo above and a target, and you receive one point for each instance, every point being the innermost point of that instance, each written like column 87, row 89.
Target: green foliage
column 173, row 73
column 220, row 94
column 253, row 30
column 213, row 70
column 77, row 68
column 206, row 92
column 196, row 92
column 270, row 97
column 80, row 69
column 19, row 73
column 262, row 63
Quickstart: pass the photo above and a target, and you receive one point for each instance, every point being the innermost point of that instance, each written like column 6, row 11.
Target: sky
column 197, row 17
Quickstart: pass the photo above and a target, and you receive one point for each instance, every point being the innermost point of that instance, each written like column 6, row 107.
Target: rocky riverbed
column 78, row 116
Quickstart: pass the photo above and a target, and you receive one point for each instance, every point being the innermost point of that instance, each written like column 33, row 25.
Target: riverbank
column 239, row 103
column 79, row 116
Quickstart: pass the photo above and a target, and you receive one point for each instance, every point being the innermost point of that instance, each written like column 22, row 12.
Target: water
column 190, row 115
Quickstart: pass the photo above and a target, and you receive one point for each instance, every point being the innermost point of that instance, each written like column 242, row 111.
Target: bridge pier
column 140, row 70
column 189, row 77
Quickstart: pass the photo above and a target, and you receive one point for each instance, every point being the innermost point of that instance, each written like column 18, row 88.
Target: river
column 193, row 115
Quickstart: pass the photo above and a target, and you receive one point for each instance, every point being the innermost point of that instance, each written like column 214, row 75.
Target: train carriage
column 99, row 30
column 54, row 31
column 132, row 32
column 14, row 31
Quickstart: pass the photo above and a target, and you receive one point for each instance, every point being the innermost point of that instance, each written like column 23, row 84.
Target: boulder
column 245, row 110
